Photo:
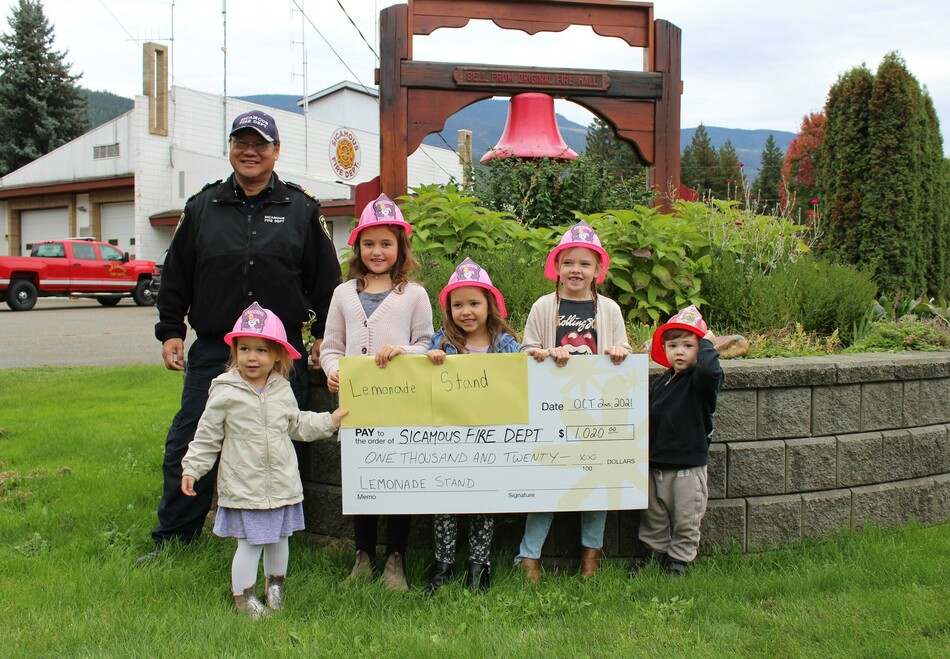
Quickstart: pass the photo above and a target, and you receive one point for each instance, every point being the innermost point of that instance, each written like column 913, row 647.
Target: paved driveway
column 65, row 332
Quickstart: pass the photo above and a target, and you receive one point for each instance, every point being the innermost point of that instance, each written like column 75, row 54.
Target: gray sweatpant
column 676, row 505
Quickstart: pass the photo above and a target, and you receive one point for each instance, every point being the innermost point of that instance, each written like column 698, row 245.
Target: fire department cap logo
column 253, row 319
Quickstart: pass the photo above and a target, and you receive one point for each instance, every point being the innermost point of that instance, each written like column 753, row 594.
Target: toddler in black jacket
column 682, row 402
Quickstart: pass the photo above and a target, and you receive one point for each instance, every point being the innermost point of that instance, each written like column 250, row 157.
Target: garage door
column 45, row 224
column 118, row 226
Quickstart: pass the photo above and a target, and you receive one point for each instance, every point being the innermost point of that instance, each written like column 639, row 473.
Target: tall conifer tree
column 699, row 162
column 41, row 106
column 766, row 185
column 843, row 167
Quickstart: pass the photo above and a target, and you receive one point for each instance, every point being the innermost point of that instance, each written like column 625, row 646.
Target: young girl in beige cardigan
column 378, row 312
column 573, row 320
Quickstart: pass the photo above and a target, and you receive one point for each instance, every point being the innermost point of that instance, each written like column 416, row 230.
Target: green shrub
column 446, row 221
column 905, row 334
column 822, row 297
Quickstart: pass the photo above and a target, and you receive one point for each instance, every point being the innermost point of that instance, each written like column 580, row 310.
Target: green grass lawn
column 80, row 456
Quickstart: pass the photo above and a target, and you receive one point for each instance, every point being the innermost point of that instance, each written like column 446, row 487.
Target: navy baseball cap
column 262, row 122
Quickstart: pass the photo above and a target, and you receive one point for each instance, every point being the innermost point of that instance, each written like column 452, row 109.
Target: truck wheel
column 143, row 295
column 109, row 301
column 21, row 296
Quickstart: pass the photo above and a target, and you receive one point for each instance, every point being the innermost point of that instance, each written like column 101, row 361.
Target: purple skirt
column 259, row 527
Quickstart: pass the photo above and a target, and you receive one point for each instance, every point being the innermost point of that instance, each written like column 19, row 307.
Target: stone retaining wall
column 803, row 447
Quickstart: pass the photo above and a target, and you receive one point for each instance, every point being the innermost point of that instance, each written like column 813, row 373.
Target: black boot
column 439, row 575
column 478, row 577
column 652, row 557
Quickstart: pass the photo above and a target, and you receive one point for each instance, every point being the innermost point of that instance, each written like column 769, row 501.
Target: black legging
column 397, row 533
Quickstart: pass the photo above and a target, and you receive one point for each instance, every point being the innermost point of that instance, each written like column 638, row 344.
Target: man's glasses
column 241, row 145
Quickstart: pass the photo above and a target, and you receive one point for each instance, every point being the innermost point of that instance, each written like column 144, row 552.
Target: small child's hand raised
column 337, row 416
column 188, row 486
column 437, row 357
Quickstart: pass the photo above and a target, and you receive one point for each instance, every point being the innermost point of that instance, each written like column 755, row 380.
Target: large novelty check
column 493, row 433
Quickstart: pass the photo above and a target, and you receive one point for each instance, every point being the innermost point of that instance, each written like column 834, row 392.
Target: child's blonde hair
column 497, row 326
column 283, row 362
column 406, row 264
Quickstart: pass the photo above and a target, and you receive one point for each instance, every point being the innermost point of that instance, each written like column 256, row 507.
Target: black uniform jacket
column 222, row 258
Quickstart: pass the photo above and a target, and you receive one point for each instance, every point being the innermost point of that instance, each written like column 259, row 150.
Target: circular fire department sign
column 344, row 153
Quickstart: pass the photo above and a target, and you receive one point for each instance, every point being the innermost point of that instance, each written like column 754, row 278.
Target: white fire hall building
column 126, row 181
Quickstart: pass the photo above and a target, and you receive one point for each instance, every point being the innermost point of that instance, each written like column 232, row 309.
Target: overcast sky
column 746, row 63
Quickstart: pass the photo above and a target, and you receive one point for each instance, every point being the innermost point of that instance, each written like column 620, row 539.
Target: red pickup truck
column 74, row 267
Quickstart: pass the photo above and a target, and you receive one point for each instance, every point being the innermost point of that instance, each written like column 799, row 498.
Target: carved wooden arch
column 416, row 98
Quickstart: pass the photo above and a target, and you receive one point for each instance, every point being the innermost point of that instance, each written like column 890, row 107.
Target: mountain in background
column 486, row 120
column 104, row 106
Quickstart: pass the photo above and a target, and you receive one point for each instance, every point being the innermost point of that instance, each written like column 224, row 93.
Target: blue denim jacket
column 505, row 343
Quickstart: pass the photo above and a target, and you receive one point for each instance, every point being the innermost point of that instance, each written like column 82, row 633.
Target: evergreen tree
column 603, row 145
column 728, row 182
column 41, row 106
column 935, row 194
column 891, row 225
column 699, row 163
column 766, row 185
column 843, row 168
column 883, row 180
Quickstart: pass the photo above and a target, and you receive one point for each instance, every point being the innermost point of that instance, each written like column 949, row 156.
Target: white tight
column 246, row 558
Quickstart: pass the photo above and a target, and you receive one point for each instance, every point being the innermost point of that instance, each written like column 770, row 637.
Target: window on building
column 105, row 151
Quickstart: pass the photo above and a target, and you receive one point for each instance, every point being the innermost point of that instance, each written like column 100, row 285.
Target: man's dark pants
column 181, row 517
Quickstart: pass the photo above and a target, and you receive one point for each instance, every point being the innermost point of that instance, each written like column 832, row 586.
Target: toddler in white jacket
column 249, row 421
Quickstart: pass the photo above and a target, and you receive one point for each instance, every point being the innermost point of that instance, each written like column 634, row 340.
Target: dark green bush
column 816, row 294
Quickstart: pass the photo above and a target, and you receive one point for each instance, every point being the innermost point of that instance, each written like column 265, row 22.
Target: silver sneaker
column 274, row 592
column 247, row 604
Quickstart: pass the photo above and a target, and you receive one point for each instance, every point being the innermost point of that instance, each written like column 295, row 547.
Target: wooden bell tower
column 416, row 97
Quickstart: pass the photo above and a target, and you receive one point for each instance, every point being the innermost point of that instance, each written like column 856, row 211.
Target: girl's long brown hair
column 497, row 326
column 406, row 265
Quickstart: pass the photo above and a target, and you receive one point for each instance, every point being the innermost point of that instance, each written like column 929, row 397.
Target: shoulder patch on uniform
column 297, row 186
column 326, row 229
column 203, row 188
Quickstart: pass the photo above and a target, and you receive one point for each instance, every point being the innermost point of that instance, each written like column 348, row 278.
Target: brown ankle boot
column 532, row 569
column 590, row 561
column 394, row 573
column 364, row 569
column 274, row 592
column 247, row 604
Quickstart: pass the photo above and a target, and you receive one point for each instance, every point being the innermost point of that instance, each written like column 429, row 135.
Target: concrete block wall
column 803, row 448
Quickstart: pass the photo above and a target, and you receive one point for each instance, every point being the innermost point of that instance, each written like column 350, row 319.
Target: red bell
column 531, row 131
